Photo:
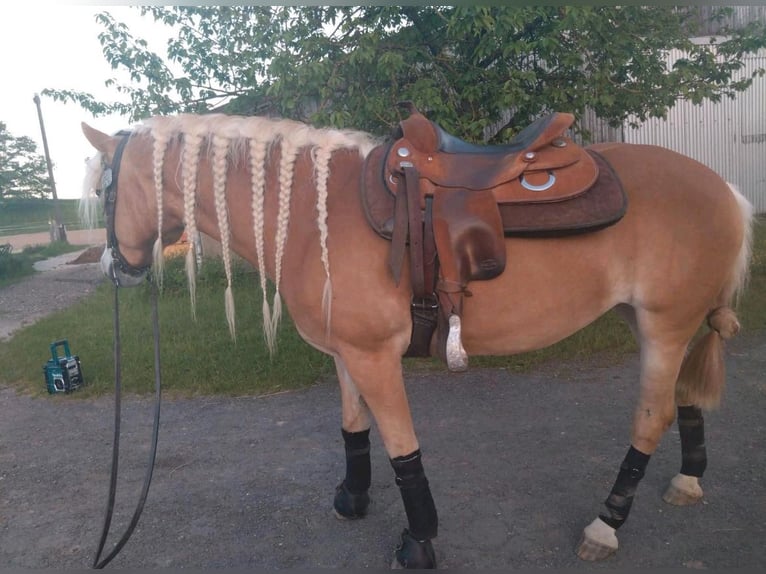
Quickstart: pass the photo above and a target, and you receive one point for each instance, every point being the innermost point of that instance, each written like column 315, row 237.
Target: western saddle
column 450, row 204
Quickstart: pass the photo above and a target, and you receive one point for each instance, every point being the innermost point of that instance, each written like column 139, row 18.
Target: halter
column 109, row 179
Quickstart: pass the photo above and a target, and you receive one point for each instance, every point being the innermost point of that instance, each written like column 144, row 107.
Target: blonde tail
column 703, row 373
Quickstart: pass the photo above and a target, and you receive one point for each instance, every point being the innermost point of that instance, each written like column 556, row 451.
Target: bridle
column 109, row 179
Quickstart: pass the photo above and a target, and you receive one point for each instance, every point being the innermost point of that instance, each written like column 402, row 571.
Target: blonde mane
column 89, row 201
column 232, row 139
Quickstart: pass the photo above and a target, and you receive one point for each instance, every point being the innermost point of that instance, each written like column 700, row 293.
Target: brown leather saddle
column 450, row 204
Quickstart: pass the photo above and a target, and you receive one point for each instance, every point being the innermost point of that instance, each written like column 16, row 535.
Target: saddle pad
column 603, row 204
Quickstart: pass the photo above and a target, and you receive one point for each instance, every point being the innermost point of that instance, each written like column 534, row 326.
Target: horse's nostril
column 118, row 277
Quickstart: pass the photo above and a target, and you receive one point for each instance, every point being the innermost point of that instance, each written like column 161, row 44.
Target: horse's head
column 120, row 178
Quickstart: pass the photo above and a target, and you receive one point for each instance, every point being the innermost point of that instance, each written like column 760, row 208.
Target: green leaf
column 466, row 66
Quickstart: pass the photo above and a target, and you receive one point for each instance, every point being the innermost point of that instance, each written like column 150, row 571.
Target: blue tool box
column 62, row 374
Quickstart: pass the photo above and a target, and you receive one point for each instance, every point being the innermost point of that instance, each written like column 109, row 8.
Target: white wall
column 728, row 136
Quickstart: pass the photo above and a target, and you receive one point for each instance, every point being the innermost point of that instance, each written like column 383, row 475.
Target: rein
column 109, row 182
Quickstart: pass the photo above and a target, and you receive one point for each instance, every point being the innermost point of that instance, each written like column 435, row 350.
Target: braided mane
column 234, row 138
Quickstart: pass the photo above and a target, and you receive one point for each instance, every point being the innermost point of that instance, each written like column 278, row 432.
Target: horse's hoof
column 598, row 541
column 413, row 554
column 683, row 491
column 350, row 506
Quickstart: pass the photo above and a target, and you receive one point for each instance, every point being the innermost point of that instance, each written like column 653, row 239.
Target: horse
column 285, row 196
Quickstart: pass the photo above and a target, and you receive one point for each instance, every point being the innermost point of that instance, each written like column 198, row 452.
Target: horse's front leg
column 653, row 415
column 375, row 380
column 351, row 495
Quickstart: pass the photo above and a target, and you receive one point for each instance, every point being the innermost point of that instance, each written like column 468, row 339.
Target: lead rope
column 97, row 563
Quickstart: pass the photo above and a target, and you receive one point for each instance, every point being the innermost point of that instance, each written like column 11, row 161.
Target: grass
column 200, row 358
column 752, row 307
column 19, row 216
column 16, row 266
column 197, row 358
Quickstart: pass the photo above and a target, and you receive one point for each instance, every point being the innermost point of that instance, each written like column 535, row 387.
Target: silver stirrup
column 457, row 358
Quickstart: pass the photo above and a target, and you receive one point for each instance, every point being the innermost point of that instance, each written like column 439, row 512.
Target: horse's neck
column 250, row 210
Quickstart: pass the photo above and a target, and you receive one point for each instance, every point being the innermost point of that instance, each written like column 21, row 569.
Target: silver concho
column 106, row 179
column 547, row 185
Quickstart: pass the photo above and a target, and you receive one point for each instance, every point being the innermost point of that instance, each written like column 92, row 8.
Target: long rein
column 109, row 187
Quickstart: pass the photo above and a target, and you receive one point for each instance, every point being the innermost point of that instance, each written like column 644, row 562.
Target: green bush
column 10, row 266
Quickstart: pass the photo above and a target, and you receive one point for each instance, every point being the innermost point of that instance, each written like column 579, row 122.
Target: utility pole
column 58, row 233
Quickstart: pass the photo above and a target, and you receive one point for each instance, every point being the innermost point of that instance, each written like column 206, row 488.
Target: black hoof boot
column 348, row 505
column 413, row 553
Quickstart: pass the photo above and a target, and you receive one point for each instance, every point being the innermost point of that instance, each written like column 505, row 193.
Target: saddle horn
column 408, row 105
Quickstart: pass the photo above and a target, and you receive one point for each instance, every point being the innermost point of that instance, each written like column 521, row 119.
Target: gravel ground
column 56, row 287
column 518, row 464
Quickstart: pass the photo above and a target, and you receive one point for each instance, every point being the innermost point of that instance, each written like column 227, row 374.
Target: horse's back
column 660, row 174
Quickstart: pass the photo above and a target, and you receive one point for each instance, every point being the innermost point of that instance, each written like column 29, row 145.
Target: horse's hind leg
column 661, row 358
column 699, row 386
column 351, row 495
column 684, row 488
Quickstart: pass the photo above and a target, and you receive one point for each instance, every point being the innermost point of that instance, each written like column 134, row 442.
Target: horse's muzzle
column 118, row 277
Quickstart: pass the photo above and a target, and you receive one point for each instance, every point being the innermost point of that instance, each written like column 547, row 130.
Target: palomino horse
column 286, row 197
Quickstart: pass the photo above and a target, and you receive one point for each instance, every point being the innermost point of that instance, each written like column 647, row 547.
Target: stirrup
column 457, row 358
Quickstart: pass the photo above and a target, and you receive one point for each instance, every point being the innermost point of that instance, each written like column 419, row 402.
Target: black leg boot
column 351, row 497
column 415, row 549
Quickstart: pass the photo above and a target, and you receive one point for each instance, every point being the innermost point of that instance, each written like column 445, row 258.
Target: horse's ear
column 102, row 142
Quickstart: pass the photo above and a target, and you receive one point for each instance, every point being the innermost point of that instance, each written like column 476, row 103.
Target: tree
column 23, row 172
column 468, row 67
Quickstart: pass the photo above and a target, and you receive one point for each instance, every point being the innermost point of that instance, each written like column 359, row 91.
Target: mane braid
column 161, row 133
column 258, row 150
column 321, row 158
column 220, row 151
column 288, row 155
column 226, row 139
column 190, row 164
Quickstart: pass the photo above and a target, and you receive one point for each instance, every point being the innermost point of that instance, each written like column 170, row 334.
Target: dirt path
column 56, row 287
column 75, row 237
column 518, row 464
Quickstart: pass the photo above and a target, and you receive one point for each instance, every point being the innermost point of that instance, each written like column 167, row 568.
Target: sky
column 54, row 45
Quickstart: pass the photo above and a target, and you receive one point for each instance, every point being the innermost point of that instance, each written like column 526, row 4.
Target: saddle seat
column 449, row 205
column 449, row 143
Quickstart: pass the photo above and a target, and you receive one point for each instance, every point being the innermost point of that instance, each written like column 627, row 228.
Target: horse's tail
column 703, row 374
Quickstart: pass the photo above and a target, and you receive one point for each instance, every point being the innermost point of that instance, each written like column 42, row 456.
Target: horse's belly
column 550, row 289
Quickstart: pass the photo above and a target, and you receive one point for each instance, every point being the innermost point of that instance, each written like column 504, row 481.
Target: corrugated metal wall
column 740, row 17
column 728, row 136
